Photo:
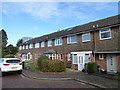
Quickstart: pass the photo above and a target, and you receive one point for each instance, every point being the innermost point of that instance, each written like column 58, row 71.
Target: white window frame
column 101, row 58
column 37, row 45
column 49, row 43
column 31, row 46
column 68, row 57
column 20, row 47
column 107, row 30
column 69, row 39
column 42, row 44
column 58, row 40
column 85, row 34
column 23, row 46
column 73, row 59
column 26, row 46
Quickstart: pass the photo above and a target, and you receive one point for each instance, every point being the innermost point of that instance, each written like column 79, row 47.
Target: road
column 19, row 81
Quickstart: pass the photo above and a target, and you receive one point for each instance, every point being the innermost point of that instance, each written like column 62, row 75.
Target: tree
column 10, row 49
column 19, row 42
column 4, row 42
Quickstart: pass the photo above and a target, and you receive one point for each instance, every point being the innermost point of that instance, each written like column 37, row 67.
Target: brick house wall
column 94, row 45
column 107, row 45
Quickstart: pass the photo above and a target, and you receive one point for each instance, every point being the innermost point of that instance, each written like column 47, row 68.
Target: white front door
column 111, row 63
column 81, row 61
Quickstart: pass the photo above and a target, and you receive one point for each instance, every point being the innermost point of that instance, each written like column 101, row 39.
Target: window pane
column 75, row 58
column 31, row 45
column 87, row 58
column 58, row 41
column 42, row 44
column 37, row 45
column 26, row 46
column 50, row 43
column 105, row 35
column 86, row 37
column 73, row 39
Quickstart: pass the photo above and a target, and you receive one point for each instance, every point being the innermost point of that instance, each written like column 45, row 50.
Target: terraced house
column 97, row 41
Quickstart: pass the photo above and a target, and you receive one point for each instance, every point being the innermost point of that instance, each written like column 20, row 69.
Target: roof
column 77, row 29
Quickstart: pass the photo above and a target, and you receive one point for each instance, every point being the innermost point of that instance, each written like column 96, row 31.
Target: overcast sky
column 33, row 19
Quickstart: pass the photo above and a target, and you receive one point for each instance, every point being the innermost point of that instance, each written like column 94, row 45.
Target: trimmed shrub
column 9, row 56
column 56, row 66
column 92, row 67
column 43, row 63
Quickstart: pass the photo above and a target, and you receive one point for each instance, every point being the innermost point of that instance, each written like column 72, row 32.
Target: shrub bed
column 43, row 63
column 56, row 66
column 46, row 65
column 9, row 56
column 92, row 67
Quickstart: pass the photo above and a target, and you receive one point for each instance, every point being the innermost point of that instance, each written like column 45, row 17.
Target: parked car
column 10, row 65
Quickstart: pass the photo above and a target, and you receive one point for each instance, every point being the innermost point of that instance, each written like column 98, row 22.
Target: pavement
column 97, row 81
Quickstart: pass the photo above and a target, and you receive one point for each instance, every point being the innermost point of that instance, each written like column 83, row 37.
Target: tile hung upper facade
column 96, row 41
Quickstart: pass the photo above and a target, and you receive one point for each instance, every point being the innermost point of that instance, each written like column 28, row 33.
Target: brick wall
column 102, row 63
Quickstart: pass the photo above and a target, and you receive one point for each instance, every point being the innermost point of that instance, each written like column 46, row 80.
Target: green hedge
column 92, row 67
column 9, row 56
column 46, row 65
column 56, row 66
column 43, row 63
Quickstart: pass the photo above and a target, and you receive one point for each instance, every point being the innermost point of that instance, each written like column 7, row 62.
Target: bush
column 43, row 63
column 9, row 56
column 56, row 66
column 92, row 67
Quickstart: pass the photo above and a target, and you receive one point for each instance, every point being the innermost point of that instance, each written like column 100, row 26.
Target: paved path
column 77, row 75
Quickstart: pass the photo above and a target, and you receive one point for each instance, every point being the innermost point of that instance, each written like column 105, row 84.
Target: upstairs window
column 23, row 46
column 36, row 45
column 20, row 48
column 58, row 41
column 42, row 44
column 31, row 45
column 86, row 37
column 26, row 46
column 72, row 39
column 105, row 34
column 49, row 43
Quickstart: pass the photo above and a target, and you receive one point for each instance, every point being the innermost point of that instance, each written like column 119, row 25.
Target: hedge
column 47, row 65
column 9, row 56
column 92, row 67
column 56, row 66
column 43, row 63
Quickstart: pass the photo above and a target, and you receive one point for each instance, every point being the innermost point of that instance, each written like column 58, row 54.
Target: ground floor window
column 101, row 56
column 75, row 60
column 68, row 57
column 87, row 58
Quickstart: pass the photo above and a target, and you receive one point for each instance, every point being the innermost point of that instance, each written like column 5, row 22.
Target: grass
column 35, row 67
column 68, row 69
column 117, row 77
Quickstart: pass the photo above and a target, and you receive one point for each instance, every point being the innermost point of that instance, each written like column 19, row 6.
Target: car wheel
column 19, row 72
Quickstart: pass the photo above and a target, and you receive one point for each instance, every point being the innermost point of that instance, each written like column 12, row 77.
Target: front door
column 111, row 63
column 81, row 61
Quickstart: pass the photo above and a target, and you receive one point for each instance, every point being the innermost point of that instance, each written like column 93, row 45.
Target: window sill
column 105, row 38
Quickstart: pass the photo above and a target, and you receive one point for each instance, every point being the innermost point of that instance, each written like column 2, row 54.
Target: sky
column 34, row 19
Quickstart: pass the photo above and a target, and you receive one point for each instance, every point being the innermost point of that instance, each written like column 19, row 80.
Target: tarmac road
column 19, row 81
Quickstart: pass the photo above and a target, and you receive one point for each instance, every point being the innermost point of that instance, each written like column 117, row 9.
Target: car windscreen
column 1, row 60
column 13, row 61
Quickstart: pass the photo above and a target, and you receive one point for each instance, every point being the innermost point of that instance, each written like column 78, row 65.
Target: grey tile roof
column 78, row 29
